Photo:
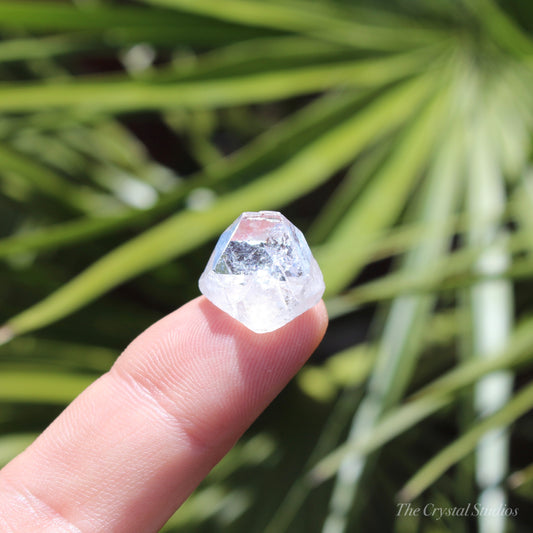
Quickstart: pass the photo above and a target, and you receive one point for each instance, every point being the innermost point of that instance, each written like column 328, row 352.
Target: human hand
column 133, row 446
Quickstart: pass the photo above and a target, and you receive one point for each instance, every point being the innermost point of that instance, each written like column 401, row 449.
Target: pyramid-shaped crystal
column 262, row 272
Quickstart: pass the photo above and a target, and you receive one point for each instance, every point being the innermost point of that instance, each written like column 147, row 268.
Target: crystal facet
column 262, row 272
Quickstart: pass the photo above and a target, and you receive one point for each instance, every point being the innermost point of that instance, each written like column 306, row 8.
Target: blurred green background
column 396, row 134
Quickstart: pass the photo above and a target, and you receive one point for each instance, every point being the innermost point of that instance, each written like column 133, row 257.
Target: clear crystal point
column 262, row 272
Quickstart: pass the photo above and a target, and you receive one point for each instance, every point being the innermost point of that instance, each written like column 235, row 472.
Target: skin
column 132, row 447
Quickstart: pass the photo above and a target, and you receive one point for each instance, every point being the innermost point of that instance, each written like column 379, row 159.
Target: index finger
column 129, row 450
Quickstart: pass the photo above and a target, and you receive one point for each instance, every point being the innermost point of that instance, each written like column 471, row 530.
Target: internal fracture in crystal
column 262, row 272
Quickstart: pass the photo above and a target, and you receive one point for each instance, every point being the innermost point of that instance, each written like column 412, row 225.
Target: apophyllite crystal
column 262, row 272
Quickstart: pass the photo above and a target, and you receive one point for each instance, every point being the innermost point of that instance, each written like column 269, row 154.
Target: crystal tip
column 262, row 272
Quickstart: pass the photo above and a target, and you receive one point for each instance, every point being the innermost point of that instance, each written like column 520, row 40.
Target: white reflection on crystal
column 262, row 272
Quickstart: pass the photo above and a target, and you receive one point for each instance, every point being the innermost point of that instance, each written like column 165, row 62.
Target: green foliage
column 397, row 134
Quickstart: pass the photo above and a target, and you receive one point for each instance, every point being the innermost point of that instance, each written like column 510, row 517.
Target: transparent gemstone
column 262, row 272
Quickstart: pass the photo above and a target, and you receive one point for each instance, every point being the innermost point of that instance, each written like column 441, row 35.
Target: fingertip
column 300, row 336
column 321, row 319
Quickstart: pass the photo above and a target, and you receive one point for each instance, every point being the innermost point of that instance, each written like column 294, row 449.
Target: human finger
column 131, row 448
